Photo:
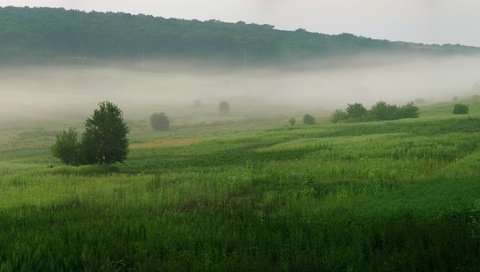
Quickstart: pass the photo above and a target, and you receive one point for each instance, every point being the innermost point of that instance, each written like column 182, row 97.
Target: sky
column 425, row 21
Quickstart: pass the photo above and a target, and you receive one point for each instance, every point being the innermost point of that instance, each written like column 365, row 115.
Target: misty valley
column 211, row 146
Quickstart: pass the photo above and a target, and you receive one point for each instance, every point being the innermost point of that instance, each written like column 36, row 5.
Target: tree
column 460, row 109
column 408, row 111
column 383, row 111
column 159, row 121
column 339, row 115
column 105, row 138
column 292, row 121
column 356, row 110
column 67, row 147
column 224, row 108
column 308, row 119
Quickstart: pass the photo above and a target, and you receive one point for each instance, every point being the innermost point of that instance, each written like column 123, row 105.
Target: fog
column 72, row 92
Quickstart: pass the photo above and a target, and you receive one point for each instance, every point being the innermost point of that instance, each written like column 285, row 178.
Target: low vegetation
column 159, row 121
column 308, row 119
column 460, row 109
column 379, row 196
column 380, row 111
column 224, row 108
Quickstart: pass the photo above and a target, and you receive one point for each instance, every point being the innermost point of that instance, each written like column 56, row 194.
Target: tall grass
column 385, row 196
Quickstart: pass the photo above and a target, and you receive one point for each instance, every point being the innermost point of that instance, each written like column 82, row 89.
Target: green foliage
column 338, row 116
column 45, row 34
column 460, row 109
column 308, row 119
column 356, row 111
column 407, row 111
column 292, row 121
column 384, row 111
column 159, row 121
column 105, row 138
column 380, row 111
column 224, row 108
column 67, row 147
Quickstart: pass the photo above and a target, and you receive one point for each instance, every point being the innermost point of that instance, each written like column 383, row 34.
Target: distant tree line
column 47, row 34
column 380, row 111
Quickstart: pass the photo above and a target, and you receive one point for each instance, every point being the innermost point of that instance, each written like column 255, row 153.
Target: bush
column 159, row 121
column 67, row 148
column 383, row 111
column 292, row 121
column 339, row 115
column 407, row 111
column 379, row 111
column 224, row 108
column 356, row 111
column 460, row 109
column 308, row 119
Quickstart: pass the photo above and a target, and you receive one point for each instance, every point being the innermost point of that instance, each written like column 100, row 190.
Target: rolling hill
column 39, row 35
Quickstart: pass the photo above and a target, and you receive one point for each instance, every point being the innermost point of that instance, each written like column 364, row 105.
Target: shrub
column 159, row 121
column 356, row 111
column 67, row 147
column 308, row 119
column 379, row 111
column 460, row 109
column 383, row 111
column 292, row 121
column 105, row 139
column 224, row 108
column 339, row 115
column 407, row 111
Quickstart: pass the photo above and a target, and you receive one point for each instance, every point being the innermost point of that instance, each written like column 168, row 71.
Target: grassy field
column 380, row 196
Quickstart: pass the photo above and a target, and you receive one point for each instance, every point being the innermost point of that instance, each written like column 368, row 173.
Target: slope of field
column 381, row 196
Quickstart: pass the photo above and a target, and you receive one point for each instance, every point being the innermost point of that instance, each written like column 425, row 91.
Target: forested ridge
column 51, row 34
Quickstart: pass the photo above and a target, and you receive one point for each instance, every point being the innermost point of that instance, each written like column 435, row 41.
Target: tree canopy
column 105, row 138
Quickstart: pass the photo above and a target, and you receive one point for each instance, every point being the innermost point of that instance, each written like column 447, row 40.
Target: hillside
column 38, row 35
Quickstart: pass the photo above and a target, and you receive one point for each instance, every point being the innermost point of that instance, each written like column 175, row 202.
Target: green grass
column 381, row 196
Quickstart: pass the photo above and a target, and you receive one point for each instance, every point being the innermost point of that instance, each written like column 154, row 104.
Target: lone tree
column 159, row 121
column 67, row 148
column 308, row 119
column 460, row 109
column 105, row 139
column 224, row 108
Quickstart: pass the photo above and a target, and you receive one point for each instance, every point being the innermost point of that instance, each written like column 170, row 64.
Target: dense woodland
column 46, row 34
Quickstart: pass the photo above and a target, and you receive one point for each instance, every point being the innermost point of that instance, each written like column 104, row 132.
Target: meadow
column 250, row 196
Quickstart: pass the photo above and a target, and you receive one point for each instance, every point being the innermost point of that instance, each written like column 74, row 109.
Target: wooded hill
column 38, row 35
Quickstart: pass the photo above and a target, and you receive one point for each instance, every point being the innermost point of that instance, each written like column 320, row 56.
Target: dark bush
column 460, row 109
column 224, row 108
column 308, row 119
column 356, row 110
column 407, row 111
column 292, row 121
column 383, row 111
column 159, row 121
